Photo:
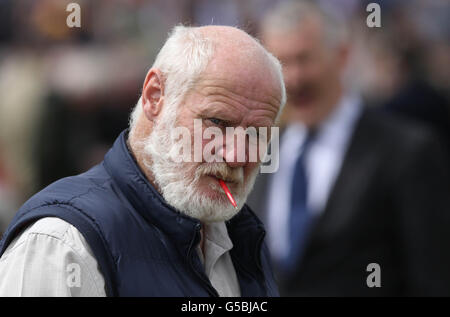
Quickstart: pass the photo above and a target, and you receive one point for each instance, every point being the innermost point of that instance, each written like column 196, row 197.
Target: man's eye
column 217, row 121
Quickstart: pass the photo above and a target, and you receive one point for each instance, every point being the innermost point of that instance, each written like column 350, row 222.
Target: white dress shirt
column 52, row 258
column 217, row 260
column 322, row 163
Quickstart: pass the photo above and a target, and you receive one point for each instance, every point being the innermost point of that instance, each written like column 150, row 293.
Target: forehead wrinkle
column 257, row 117
column 233, row 85
column 262, row 119
column 239, row 112
column 219, row 109
column 226, row 94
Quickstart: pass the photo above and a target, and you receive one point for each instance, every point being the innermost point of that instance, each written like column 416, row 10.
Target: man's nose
column 234, row 160
column 235, row 154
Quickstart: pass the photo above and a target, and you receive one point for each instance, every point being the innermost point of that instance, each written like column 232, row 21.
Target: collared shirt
column 216, row 260
column 52, row 258
column 322, row 162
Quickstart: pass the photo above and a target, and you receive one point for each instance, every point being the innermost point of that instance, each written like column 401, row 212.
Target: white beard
column 178, row 182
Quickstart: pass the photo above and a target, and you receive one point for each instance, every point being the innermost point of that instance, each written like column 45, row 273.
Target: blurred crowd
column 66, row 93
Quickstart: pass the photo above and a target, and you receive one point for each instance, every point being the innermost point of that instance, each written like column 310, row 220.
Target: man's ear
column 153, row 93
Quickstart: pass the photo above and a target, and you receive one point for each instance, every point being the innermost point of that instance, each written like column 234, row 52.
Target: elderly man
column 360, row 205
column 141, row 224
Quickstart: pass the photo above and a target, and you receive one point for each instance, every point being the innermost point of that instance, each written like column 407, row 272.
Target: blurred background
column 66, row 93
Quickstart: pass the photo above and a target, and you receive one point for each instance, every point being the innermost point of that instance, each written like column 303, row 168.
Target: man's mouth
column 225, row 179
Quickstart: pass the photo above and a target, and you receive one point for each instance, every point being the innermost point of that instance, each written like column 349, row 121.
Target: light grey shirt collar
column 217, row 261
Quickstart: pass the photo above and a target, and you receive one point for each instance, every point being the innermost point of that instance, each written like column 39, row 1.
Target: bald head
column 238, row 51
column 226, row 34
column 241, row 60
column 236, row 44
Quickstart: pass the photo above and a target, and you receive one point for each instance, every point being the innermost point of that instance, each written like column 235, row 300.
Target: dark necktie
column 299, row 217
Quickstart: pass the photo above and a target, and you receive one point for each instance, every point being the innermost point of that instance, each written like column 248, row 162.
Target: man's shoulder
column 90, row 202
column 69, row 190
column 48, row 226
column 51, row 226
column 82, row 183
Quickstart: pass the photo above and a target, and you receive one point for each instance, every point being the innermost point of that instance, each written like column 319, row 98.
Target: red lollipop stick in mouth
column 228, row 193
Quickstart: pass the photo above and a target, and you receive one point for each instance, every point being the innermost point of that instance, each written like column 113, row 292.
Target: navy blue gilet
column 143, row 246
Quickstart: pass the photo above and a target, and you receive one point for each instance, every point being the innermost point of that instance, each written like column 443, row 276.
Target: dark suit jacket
column 390, row 205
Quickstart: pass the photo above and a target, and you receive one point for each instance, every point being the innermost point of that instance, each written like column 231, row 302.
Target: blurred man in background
column 354, row 186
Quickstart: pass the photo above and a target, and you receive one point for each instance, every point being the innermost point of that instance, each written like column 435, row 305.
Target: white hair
column 183, row 58
column 289, row 15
